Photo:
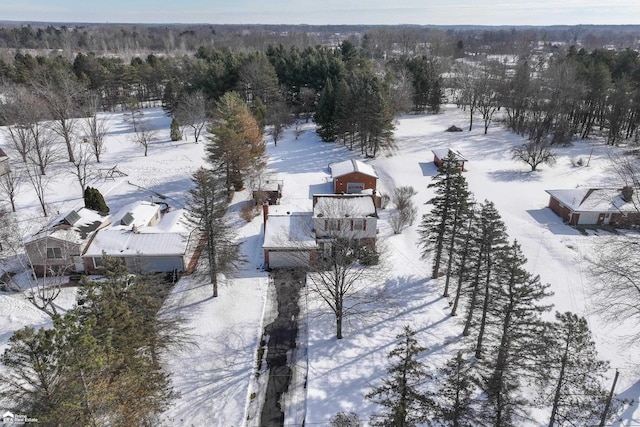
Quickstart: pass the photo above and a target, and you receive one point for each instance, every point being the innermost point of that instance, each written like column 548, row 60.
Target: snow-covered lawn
column 215, row 378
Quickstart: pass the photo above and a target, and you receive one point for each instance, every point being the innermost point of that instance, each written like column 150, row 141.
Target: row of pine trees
column 512, row 358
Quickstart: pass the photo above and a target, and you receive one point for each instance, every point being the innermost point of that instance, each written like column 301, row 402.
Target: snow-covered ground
column 216, row 378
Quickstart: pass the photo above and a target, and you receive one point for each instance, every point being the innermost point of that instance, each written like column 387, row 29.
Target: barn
column 584, row 206
column 352, row 176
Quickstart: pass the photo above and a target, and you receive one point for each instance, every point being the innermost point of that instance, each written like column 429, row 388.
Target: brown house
column 353, row 176
column 596, row 206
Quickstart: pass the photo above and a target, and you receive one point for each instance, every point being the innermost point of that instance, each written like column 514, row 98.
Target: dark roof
column 3, row 154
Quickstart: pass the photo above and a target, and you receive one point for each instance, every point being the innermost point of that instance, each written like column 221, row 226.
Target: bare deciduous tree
column 81, row 161
column 192, row 112
column 10, row 184
column 95, row 128
column 62, row 95
column 534, row 154
column 144, row 135
column 39, row 183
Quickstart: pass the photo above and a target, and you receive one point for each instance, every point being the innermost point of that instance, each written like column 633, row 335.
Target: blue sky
column 440, row 12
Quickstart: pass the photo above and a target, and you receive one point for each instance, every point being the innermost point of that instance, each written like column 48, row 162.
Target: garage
column 287, row 258
column 288, row 240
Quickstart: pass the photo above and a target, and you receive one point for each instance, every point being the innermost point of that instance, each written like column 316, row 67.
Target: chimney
column 627, row 193
column 265, row 213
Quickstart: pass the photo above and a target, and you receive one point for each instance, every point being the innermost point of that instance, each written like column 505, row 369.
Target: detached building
column 353, row 176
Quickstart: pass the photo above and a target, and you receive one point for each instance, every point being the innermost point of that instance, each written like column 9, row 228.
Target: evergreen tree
column 207, row 208
column 237, row 143
column 175, row 132
column 325, row 113
column 450, row 192
column 515, row 328
column 401, row 394
column 455, row 394
column 489, row 241
column 94, row 200
column 571, row 374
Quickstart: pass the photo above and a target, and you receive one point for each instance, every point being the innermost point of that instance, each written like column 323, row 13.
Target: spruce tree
column 571, row 373
column 325, row 113
column 402, row 393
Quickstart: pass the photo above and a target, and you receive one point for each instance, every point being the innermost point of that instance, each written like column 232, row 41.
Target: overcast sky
column 440, row 12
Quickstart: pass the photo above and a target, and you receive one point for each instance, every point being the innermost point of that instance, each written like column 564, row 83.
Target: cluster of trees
column 99, row 364
column 507, row 347
column 577, row 94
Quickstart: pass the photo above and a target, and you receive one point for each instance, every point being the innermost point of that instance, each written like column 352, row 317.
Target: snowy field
column 215, row 377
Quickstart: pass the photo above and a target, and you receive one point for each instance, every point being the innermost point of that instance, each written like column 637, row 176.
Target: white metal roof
column 339, row 169
column 118, row 242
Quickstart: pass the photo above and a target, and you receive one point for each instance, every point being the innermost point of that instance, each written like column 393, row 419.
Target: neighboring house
column 269, row 191
column 352, row 216
column 289, row 240
column 352, row 176
column 440, row 155
column 4, row 163
column 596, row 206
column 148, row 237
column 59, row 245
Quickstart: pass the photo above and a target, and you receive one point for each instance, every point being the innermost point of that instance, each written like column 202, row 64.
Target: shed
column 440, row 155
column 585, row 206
column 352, row 176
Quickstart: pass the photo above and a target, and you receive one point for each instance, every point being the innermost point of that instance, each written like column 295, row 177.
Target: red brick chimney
column 265, row 213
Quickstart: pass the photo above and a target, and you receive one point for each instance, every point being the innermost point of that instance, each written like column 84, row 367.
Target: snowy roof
column 119, row 242
column 168, row 237
column 141, row 212
column 73, row 226
column 339, row 205
column 443, row 153
column 585, row 199
column 348, row 166
column 289, row 231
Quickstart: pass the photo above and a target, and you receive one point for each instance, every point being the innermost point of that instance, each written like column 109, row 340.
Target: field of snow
column 215, row 377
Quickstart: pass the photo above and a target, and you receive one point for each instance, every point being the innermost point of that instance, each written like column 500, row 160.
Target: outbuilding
column 353, row 176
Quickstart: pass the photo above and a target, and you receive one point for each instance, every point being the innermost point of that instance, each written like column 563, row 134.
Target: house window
column 355, row 187
column 358, row 224
column 54, row 253
column 333, row 225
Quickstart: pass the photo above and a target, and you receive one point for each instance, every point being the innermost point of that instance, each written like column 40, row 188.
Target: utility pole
column 605, row 413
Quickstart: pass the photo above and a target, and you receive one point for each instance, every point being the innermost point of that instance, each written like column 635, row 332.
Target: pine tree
column 325, row 113
column 571, row 373
column 455, row 394
column 237, row 143
column 401, row 394
column 94, row 200
column 207, row 208
column 515, row 328
column 490, row 240
column 451, row 195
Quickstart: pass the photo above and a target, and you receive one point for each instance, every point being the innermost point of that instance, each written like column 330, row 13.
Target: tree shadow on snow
column 514, row 175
